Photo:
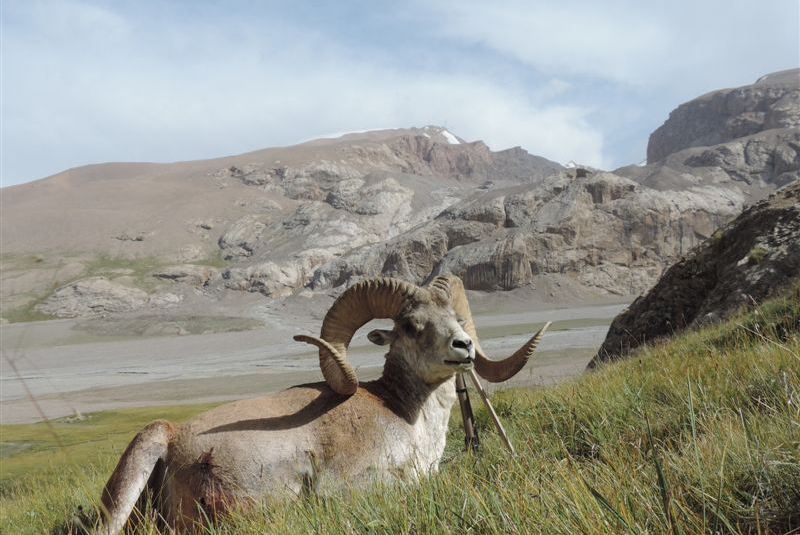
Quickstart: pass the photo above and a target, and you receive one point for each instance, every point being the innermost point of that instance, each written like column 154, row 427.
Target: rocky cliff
column 598, row 231
column 745, row 262
column 771, row 103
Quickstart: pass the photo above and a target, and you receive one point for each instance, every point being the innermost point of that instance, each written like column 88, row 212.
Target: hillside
column 294, row 221
column 749, row 260
column 698, row 435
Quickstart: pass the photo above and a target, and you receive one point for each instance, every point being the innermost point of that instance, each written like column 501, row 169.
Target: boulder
column 241, row 238
column 93, row 296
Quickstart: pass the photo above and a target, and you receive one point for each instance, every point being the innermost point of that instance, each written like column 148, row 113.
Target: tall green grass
column 698, row 435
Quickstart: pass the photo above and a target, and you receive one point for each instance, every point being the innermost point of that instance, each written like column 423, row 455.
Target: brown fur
column 306, row 438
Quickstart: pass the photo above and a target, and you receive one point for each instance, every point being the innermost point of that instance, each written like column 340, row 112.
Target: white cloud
column 86, row 82
column 151, row 93
column 563, row 38
column 629, row 41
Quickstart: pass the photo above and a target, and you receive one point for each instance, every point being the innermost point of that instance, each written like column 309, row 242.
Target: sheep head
column 494, row 371
column 427, row 329
column 433, row 327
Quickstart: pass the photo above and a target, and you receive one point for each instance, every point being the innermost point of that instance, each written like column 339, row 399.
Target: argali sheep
column 324, row 436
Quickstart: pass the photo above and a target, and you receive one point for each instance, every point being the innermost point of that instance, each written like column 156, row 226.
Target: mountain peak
column 436, row 133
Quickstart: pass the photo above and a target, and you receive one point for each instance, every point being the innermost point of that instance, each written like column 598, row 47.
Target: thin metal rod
column 470, row 433
column 492, row 412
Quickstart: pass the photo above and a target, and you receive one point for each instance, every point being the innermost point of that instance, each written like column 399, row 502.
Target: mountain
column 749, row 134
column 726, row 115
column 752, row 258
column 265, row 221
column 296, row 221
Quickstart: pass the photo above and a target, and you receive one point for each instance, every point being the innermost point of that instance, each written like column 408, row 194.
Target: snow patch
column 453, row 140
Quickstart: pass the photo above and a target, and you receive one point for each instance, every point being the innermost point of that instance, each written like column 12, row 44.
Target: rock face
column 771, row 157
column 609, row 233
column 187, row 273
column 773, row 102
column 339, row 211
column 749, row 259
column 100, row 296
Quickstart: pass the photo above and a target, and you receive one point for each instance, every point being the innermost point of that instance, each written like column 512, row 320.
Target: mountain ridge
column 411, row 203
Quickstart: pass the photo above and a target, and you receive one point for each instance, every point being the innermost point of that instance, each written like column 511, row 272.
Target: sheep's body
column 319, row 437
column 304, row 439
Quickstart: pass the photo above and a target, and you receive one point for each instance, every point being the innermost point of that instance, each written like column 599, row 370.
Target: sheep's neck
column 407, row 395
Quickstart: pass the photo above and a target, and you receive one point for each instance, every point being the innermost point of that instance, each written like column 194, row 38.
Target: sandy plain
column 55, row 369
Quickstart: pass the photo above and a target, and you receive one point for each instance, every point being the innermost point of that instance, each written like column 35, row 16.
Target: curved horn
column 362, row 302
column 494, row 371
column 497, row 371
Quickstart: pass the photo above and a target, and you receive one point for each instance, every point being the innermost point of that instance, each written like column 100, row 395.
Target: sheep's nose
column 464, row 344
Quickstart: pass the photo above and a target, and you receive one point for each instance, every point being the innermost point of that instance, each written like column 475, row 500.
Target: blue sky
column 97, row 81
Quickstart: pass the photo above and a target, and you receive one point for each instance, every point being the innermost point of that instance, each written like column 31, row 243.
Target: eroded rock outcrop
column 609, row 233
column 240, row 239
column 753, row 257
column 379, row 190
column 95, row 296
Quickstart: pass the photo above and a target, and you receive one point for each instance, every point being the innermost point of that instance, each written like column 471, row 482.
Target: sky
column 94, row 81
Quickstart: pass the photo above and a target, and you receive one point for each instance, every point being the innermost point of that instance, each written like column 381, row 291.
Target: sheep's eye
column 409, row 328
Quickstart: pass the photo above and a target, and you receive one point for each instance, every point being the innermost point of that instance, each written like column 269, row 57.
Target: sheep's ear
column 381, row 337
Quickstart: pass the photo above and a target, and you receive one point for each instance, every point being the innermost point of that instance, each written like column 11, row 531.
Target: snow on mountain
column 453, row 140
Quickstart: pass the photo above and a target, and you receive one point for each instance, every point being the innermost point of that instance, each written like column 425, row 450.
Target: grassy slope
column 698, row 435
column 140, row 270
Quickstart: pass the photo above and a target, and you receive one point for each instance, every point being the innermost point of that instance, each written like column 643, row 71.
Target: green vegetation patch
column 757, row 254
column 216, row 261
column 139, row 269
column 697, row 435
column 26, row 313
column 17, row 261
column 46, row 448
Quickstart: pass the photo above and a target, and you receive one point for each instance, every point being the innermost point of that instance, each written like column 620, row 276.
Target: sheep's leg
column 130, row 476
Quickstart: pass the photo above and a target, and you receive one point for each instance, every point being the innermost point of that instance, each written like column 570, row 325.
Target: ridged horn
column 494, row 371
column 362, row 302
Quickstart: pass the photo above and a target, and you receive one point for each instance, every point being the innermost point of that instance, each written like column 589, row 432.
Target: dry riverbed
column 59, row 368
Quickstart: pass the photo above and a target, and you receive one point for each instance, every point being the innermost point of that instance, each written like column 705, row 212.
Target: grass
column 11, row 263
column 139, row 269
column 697, row 435
column 757, row 254
column 27, row 313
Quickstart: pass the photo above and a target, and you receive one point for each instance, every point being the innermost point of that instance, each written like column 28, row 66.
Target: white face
column 432, row 340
